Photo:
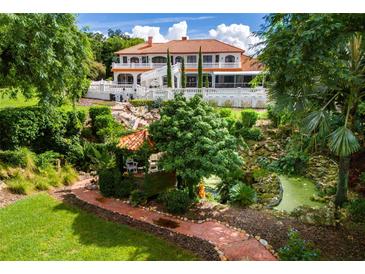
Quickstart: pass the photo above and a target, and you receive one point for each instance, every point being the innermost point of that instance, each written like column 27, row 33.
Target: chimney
column 184, row 38
column 150, row 38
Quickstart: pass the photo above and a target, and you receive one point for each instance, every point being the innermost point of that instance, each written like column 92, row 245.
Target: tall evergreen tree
column 206, row 84
column 183, row 76
column 169, row 74
column 200, row 69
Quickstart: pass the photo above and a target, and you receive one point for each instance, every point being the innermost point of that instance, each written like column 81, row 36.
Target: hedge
column 141, row 102
column 41, row 129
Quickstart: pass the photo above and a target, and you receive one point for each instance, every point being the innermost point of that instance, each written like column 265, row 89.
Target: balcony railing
column 187, row 65
column 138, row 65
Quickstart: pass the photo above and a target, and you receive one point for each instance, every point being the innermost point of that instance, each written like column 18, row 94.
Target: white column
column 134, row 80
column 213, row 80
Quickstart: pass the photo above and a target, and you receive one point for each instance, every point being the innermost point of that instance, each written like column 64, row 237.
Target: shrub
column 297, row 249
column 19, row 185
column 293, row 163
column 68, row 175
column 141, row 102
column 53, row 177
column 158, row 182
column 225, row 112
column 176, row 201
column 41, row 183
column 158, row 103
column 251, row 133
column 273, row 115
column 228, row 104
column 249, row 117
column 108, row 179
column 124, row 188
column 47, row 158
column 97, row 111
column 138, row 197
column 38, row 128
column 22, row 157
column 103, row 126
column 357, row 210
column 213, row 103
column 242, row 194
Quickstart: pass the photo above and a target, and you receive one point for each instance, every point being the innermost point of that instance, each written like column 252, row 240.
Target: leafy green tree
column 104, row 48
column 200, row 69
column 44, row 56
column 183, row 75
column 315, row 65
column 195, row 141
column 97, row 71
column 169, row 74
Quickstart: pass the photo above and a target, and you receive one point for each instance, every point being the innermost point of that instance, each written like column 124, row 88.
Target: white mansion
column 142, row 73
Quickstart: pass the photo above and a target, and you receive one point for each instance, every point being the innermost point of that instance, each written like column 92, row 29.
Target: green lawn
column 42, row 228
column 20, row 101
column 237, row 112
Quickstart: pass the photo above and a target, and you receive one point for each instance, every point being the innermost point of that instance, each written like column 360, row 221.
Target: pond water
column 297, row 191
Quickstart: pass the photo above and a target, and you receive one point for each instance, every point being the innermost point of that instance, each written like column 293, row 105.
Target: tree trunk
column 343, row 178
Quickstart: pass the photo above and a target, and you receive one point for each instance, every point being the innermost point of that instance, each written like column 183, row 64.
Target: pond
column 297, row 191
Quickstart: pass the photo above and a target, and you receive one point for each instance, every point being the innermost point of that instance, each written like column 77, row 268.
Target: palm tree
column 341, row 140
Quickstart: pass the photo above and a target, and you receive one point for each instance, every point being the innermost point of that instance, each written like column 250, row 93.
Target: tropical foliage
column 315, row 65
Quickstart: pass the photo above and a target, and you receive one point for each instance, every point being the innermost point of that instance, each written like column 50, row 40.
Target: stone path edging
column 229, row 242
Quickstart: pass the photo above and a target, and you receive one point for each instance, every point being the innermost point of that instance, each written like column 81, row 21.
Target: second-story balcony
column 187, row 65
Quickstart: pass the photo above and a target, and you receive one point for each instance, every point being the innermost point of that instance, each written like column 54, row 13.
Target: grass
column 42, row 228
column 236, row 112
column 20, row 101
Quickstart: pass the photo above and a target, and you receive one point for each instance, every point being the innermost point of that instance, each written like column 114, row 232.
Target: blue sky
column 198, row 24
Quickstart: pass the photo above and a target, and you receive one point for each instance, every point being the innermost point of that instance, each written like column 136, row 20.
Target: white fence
column 235, row 97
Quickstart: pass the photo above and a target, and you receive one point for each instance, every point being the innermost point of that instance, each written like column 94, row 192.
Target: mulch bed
column 201, row 248
column 335, row 243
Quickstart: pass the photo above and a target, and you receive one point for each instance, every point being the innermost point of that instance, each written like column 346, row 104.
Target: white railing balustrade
column 187, row 65
column 235, row 97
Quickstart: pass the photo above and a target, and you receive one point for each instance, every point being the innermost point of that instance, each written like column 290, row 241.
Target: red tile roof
column 135, row 140
column 182, row 47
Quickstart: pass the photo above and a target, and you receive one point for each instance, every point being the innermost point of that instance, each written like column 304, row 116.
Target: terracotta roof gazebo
column 135, row 140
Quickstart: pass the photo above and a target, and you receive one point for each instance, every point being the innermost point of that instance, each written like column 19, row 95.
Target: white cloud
column 238, row 35
column 145, row 31
column 176, row 31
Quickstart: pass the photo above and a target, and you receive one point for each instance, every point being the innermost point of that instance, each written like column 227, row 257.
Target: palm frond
column 317, row 121
column 343, row 142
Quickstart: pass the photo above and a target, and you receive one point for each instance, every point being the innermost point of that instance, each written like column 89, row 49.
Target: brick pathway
column 235, row 245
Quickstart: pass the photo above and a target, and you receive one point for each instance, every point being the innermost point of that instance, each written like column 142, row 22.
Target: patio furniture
column 131, row 166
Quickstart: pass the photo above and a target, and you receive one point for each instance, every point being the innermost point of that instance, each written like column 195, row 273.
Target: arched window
column 178, row 59
column 134, row 60
column 139, row 79
column 125, row 79
column 230, row 59
column 159, row 59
